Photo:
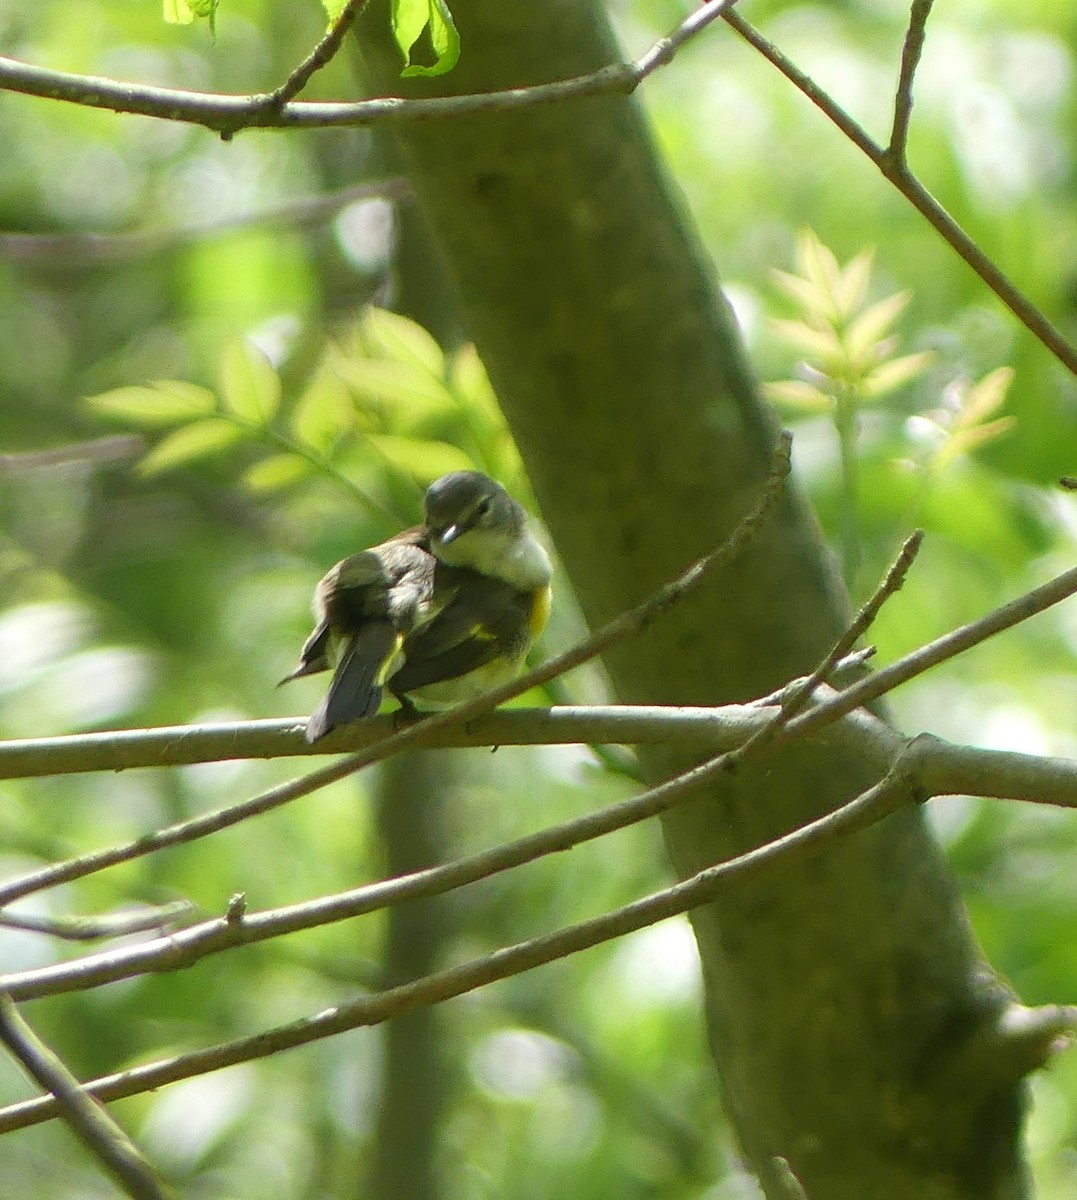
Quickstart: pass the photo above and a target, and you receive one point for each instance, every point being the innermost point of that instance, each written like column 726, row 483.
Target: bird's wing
column 394, row 580
column 485, row 619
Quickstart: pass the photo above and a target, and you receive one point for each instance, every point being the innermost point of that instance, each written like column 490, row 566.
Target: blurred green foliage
column 159, row 542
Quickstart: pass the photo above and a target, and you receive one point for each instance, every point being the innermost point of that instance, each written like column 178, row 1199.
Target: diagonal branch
column 1038, row 600
column 320, row 56
column 941, row 768
column 617, row 630
column 920, row 767
column 899, row 787
column 88, row 1120
column 891, row 162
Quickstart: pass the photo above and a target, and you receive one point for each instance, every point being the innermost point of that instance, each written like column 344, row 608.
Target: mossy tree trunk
column 841, row 994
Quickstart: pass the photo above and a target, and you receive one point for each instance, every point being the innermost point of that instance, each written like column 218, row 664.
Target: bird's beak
column 298, row 673
column 451, row 533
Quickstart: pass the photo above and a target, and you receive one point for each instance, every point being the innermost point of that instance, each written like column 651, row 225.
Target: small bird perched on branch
column 441, row 612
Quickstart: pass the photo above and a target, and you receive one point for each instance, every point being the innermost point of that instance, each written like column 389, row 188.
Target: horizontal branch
column 73, row 251
column 858, row 733
column 228, row 114
column 905, row 783
column 180, row 745
column 501, row 964
column 929, row 766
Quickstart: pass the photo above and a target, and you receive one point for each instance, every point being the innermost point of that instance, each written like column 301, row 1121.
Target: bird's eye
column 483, row 507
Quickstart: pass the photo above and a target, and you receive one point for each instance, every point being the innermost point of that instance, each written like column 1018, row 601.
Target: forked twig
column 893, row 167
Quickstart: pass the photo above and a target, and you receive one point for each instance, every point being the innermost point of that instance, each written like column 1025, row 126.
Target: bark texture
column 843, row 995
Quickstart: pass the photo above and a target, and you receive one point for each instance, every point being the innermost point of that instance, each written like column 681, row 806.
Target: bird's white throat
column 517, row 558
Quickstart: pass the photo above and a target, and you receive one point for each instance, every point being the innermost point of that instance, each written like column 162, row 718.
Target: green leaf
column 183, row 12
column 985, row 397
column 249, row 385
column 178, row 12
column 420, row 458
column 187, row 445
column 853, row 283
column 822, row 343
column 802, row 290
column 875, row 321
column 409, row 390
column 387, row 334
column 324, row 411
column 894, row 374
column 333, row 9
column 796, row 394
column 165, row 402
column 470, row 382
column 819, row 265
column 410, row 18
column 276, row 472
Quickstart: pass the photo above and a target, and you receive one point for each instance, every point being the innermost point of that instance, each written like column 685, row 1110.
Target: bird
column 438, row 613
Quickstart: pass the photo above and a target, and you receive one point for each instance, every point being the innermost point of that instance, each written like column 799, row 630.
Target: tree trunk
column 842, row 993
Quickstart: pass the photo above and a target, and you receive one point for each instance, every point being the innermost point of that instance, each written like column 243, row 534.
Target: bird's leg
column 406, row 713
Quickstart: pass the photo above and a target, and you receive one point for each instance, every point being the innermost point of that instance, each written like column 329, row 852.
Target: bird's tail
column 355, row 692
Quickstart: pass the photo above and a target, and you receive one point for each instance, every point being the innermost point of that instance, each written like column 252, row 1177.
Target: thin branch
column 113, row 448
column 939, row 651
column 73, row 251
column 870, row 738
column 937, row 767
column 911, row 50
column 894, row 169
column 826, row 712
column 320, row 56
column 94, row 929
column 228, row 114
column 802, row 691
column 904, row 783
column 890, row 794
column 88, row 1120
column 617, row 630
column 181, row 745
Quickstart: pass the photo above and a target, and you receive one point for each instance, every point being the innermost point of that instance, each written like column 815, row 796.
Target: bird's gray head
column 463, row 501
column 473, row 522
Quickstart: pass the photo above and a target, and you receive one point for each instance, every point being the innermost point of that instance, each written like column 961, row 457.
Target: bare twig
column 74, row 251
column 939, row 769
column 891, row 793
column 893, row 167
column 88, row 1120
column 802, row 692
column 871, row 739
column 115, row 448
column 617, row 630
column 942, row 649
column 921, row 767
column 910, row 59
column 93, row 929
column 319, row 57
column 228, row 114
